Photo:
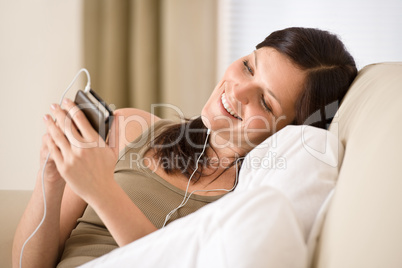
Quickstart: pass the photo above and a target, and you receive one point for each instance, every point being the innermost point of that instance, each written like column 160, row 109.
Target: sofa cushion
column 363, row 225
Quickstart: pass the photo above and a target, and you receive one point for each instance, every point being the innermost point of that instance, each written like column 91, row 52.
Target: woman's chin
column 205, row 120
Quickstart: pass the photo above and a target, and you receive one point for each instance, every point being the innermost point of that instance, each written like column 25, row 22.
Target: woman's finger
column 54, row 150
column 57, row 135
column 66, row 124
column 43, row 149
column 80, row 120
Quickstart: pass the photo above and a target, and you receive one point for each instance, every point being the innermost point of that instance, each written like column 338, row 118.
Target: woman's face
column 255, row 98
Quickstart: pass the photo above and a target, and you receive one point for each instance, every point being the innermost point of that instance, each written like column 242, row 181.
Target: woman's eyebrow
column 269, row 90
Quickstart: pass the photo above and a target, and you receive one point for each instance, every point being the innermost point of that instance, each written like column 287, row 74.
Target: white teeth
column 228, row 109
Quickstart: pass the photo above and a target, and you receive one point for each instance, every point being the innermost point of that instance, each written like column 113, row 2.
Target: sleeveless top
column 153, row 195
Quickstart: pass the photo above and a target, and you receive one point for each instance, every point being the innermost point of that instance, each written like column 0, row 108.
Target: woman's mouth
column 227, row 107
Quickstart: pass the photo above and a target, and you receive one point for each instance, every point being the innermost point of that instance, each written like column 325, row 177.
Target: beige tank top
column 151, row 193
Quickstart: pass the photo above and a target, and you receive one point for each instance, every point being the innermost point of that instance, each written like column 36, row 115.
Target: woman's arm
column 64, row 207
column 62, row 211
column 128, row 124
column 87, row 164
column 113, row 206
column 42, row 249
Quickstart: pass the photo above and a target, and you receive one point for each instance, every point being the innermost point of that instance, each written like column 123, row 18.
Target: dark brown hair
column 187, row 141
column 330, row 71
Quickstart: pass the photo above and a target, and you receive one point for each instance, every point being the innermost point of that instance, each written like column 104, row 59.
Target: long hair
column 187, row 142
column 330, row 71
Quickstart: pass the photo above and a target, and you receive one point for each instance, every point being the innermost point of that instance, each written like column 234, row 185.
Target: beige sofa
column 363, row 226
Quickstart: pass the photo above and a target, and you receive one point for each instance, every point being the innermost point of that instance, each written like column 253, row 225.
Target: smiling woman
column 118, row 194
column 293, row 74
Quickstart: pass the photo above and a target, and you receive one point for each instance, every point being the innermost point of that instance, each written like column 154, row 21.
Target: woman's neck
column 224, row 149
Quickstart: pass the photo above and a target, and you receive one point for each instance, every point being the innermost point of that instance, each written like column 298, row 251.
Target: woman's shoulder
column 135, row 122
column 134, row 114
column 128, row 124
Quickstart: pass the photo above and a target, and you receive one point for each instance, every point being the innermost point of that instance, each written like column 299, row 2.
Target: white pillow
column 265, row 222
column 300, row 161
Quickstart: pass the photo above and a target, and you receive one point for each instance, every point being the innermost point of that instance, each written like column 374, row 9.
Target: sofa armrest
column 12, row 205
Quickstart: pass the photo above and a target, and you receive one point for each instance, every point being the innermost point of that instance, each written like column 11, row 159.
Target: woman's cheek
column 257, row 128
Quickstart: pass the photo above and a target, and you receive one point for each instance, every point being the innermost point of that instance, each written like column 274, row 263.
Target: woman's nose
column 243, row 92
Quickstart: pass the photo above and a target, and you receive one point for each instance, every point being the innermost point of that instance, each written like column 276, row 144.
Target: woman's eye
column 266, row 106
column 246, row 65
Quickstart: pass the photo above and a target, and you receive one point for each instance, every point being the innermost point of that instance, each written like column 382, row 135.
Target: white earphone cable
column 186, row 198
column 188, row 184
column 87, row 88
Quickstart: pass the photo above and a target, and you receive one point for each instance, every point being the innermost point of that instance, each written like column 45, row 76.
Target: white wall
column 40, row 52
column 188, row 48
column 370, row 29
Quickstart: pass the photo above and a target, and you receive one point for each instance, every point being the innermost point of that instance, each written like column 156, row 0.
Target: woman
column 292, row 74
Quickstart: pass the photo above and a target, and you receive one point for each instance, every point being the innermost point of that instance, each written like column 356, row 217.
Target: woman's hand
column 87, row 164
column 51, row 174
column 82, row 157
